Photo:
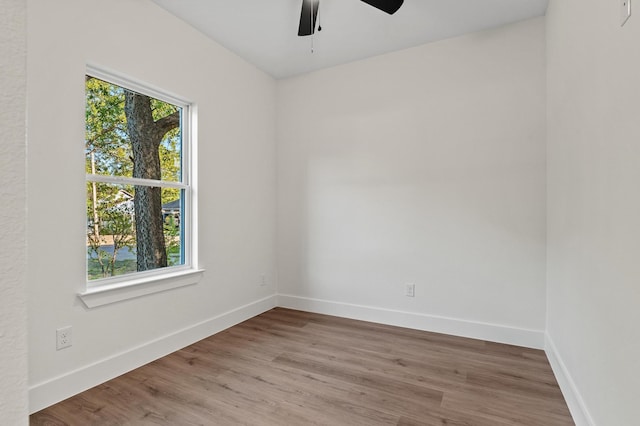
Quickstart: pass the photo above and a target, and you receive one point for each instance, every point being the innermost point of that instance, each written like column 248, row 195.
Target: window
column 138, row 183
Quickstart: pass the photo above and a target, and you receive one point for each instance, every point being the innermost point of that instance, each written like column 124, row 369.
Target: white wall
column 426, row 166
column 13, row 300
column 236, row 143
column 594, row 207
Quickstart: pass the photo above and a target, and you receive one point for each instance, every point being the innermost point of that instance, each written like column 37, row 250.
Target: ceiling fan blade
column 308, row 17
column 389, row 6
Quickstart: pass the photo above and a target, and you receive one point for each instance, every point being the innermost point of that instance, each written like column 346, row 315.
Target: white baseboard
column 47, row 393
column 457, row 327
column 574, row 400
column 55, row 390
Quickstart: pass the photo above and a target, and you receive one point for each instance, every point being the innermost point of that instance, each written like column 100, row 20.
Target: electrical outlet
column 63, row 337
column 263, row 280
column 410, row 290
column 625, row 11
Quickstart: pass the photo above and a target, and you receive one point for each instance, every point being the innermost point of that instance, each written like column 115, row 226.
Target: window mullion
column 135, row 181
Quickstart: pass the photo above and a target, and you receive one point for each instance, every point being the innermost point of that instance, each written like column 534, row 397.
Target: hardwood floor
column 288, row 367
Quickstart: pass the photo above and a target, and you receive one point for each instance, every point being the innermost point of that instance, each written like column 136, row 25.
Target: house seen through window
column 138, row 190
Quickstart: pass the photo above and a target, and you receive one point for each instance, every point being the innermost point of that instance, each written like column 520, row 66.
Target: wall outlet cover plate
column 63, row 337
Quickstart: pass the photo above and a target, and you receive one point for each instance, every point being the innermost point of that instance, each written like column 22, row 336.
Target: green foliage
column 108, row 150
column 114, row 226
column 107, row 138
column 172, row 240
column 105, row 129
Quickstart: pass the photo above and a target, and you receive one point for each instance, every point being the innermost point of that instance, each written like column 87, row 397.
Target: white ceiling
column 265, row 32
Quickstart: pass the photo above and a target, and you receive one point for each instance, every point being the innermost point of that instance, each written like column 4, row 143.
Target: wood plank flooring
column 288, row 367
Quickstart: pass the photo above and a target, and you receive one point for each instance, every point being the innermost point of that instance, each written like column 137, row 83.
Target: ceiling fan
column 309, row 12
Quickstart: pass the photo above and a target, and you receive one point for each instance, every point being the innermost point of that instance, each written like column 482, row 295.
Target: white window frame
column 114, row 289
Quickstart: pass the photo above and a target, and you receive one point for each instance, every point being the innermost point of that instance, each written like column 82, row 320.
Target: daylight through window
column 138, row 194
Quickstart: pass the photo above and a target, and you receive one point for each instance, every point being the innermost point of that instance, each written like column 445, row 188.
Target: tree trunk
column 145, row 135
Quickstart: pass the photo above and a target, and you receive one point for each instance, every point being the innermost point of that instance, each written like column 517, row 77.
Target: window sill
column 112, row 293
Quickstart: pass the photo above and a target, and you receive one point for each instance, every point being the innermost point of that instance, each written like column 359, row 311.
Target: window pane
column 172, row 214
column 125, row 128
column 118, row 241
column 111, row 237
